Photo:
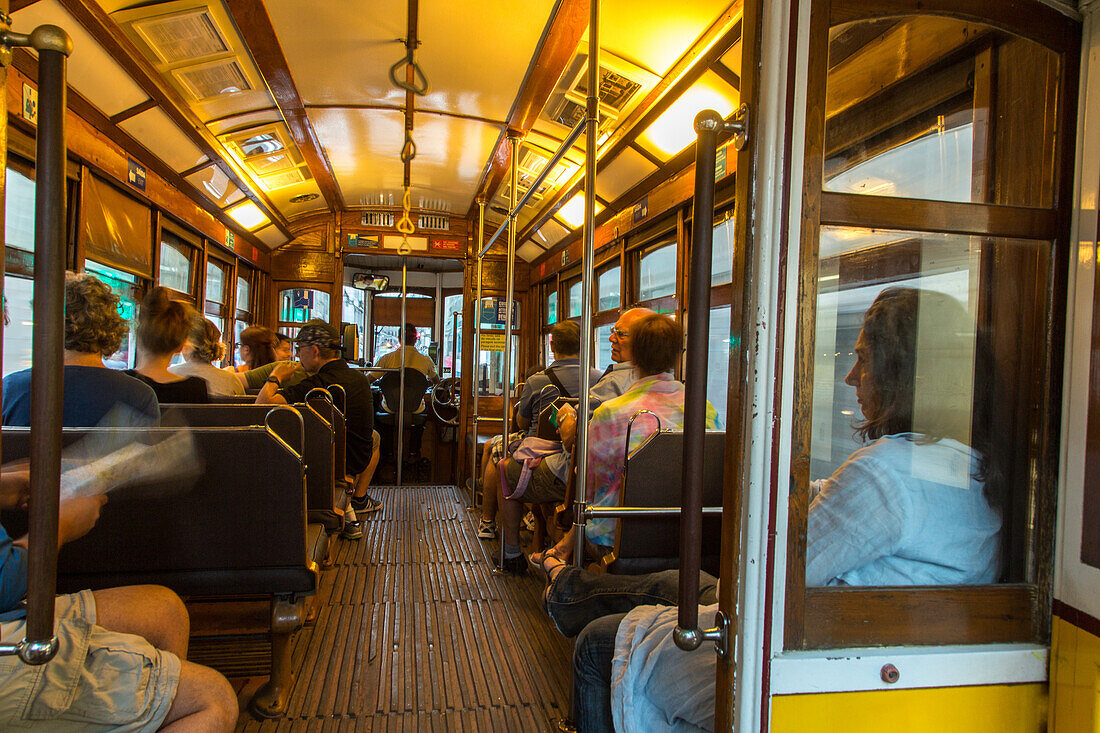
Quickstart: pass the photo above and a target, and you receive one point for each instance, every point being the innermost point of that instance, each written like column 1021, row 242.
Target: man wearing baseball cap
column 318, row 347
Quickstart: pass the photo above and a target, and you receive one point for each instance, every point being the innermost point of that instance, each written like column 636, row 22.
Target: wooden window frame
column 194, row 256
column 819, row 618
column 668, row 304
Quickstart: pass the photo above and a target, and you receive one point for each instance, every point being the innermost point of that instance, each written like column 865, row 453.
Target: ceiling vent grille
column 434, row 221
column 214, row 79
column 377, row 219
column 622, row 85
column 182, row 36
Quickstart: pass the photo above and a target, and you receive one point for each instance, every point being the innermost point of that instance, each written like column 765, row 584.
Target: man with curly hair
column 93, row 329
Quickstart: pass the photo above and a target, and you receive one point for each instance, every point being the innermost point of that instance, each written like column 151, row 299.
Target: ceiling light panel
column 572, row 213
column 529, row 251
column 215, row 185
column 248, row 215
column 621, row 174
column 674, row 130
column 195, row 46
column 550, row 233
column 91, row 70
column 156, row 131
column 271, row 236
column 249, row 119
column 363, row 147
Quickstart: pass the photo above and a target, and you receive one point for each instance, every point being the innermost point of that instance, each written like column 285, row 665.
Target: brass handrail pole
column 474, row 387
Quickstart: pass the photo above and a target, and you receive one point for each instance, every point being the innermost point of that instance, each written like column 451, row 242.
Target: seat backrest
column 654, row 477
column 239, row 527
column 416, row 383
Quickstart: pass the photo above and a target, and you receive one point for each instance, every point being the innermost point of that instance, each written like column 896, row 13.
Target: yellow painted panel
column 1074, row 680
column 986, row 709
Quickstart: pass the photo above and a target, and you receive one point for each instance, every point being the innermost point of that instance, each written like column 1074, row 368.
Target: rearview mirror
column 365, row 281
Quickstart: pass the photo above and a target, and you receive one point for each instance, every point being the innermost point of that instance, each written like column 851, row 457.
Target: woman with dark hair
column 162, row 329
column 257, row 348
column 917, row 505
column 203, row 347
column 93, row 329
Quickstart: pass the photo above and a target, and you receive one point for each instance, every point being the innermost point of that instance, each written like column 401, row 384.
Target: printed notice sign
column 492, row 341
column 136, row 175
column 30, row 104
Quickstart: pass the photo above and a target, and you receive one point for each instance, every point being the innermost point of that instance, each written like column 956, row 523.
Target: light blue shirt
column 901, row 512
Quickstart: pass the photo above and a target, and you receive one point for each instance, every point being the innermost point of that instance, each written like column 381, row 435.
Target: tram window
column 388, row 338
column 128, row 288
column 718, row 364
column 19, row 211
column 215, row 281
column 244, row 302
column 552, row 307
column 657, row 273
column 602, row 337
column 575, row 304
column 607, row 289
column 175, row 263
column 354, row 311
column 18, row 297
column 936, row 121
column 721, row 260
column 300, row 305
column 452, row 339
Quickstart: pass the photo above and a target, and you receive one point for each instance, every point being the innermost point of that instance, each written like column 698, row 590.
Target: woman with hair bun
column 204, row 346
column 163, row 326
column 257, row 348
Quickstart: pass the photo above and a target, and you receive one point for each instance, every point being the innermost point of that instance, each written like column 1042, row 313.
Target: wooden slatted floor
column 414, row 632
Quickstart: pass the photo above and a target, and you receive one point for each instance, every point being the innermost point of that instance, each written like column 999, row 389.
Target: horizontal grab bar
column 643, row 511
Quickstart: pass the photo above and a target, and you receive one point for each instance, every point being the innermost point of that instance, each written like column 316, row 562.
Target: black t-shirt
column 189, row 390
column 358, row 412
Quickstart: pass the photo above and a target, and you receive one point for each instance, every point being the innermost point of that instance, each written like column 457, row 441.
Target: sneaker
column 529, row 522
column 514, row 565
column 352, row 530
column 486, row 530
column 365, row 504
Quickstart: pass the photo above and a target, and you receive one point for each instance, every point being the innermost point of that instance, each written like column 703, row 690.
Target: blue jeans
column 578, row 597
column 592, row 659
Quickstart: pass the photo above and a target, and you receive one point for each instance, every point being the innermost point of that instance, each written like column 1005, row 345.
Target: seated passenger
column 413, row 359
column 121, row 662
column 319, row 350
column 203, row 347
column 284, row 347
column 162, row 329
column 561, row 379
column 93, row 329
column 255, row 378
column 915, row 506
column 256, row 348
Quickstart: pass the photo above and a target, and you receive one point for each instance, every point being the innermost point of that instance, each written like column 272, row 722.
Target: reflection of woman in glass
column 917, row 505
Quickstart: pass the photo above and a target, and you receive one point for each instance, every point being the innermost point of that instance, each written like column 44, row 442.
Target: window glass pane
column 243, row 294
column 19, row 211
column 175, row 267
column 575, row 299
column 721, row 259
column 602, row 335
column 215, row 281
column 387, row 339
column 552, row 308
column 125, row 286
column 928, row 407
column 238, row 326
column 18, row 296
column 607, row 289
column 491, row 369
column 355, row 305
column 657, row 273
column 299, row 306
column 967, row 118
column 718, row 363
column 451, row 361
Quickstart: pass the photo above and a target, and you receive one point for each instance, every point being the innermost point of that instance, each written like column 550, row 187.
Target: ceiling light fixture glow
column 573, row 211
column 675, row 129
column 248, row 215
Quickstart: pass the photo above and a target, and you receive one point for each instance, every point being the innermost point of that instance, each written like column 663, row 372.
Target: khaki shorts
column 542, row 488
column 99, row 679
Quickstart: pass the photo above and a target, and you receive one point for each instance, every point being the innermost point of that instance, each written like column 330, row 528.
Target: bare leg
column 149, row 611
column 490, row 487
column 512, row 514
column 362, row 481
column 204, row 702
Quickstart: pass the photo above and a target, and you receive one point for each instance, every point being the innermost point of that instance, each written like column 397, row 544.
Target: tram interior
column 271, row 165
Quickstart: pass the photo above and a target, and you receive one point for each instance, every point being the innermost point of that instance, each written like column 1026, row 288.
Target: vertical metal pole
column 695, row 372
column 454, row 352
column 47, row 377
column 475, row 387
column 592, row 127
column 401, row 381
column 510, row 304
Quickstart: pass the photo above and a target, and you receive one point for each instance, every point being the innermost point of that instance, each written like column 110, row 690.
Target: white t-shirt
column 218, row 381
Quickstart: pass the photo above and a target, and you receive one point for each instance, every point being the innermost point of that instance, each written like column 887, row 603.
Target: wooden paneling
column 304, row 266
column 855, row 617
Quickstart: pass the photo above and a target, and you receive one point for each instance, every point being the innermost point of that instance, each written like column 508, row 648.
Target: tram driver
column 919, row 504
